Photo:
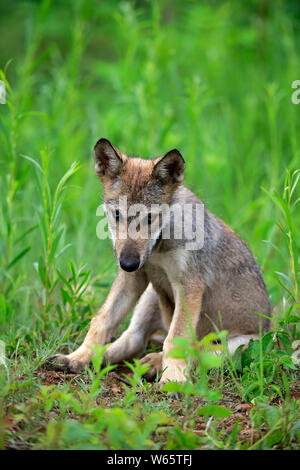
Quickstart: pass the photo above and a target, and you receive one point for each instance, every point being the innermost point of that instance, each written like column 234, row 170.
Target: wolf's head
column 135, row 189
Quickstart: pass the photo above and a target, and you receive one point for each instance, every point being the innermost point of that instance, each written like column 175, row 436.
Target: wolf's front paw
column 72, row 363
column 173, row 373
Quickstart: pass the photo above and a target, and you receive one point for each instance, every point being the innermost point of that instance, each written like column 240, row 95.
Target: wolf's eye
column 117, row 215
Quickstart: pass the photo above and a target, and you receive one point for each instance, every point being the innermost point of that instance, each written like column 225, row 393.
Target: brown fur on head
column 141, row 181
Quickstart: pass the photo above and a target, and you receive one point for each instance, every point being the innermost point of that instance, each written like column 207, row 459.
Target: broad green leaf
column 218, row 411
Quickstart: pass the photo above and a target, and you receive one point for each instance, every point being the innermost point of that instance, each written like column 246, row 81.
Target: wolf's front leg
column 188, row 300
column 124, row 293
column 145, row 320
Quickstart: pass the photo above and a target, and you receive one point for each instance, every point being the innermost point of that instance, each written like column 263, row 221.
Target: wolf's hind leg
column 145, row 321
column 236, row 341
column 154, row 360
column 157, row 339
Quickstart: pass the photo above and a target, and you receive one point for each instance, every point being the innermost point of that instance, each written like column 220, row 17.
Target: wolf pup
column 168, row 279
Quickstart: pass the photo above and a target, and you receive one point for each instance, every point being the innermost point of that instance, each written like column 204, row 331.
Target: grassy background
column 212, row 78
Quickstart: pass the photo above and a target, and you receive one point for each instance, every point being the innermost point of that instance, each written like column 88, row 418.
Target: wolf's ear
column 107, row 160
column 170, row 168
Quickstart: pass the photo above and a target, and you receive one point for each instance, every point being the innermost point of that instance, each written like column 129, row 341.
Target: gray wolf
column 218, row 284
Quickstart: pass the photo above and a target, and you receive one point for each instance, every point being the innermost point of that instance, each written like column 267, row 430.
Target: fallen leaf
column 243, row 407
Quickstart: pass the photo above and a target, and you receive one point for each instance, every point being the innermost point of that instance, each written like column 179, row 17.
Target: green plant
column 51, row 232
column 72, row 77
column 281, row 423
column 265, row 367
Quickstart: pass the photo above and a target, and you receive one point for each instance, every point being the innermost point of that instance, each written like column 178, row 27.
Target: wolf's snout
column 129, row 260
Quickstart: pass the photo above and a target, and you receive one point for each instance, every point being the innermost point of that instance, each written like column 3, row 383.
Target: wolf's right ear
column 107, row 161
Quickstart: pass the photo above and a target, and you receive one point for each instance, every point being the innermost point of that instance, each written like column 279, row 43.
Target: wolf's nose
column 129, row 264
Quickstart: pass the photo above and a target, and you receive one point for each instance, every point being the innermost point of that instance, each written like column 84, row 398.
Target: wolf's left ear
column 170, row 168
column 107, row 160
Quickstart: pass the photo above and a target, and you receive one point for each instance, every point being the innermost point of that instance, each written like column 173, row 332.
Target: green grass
column 210, row 78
